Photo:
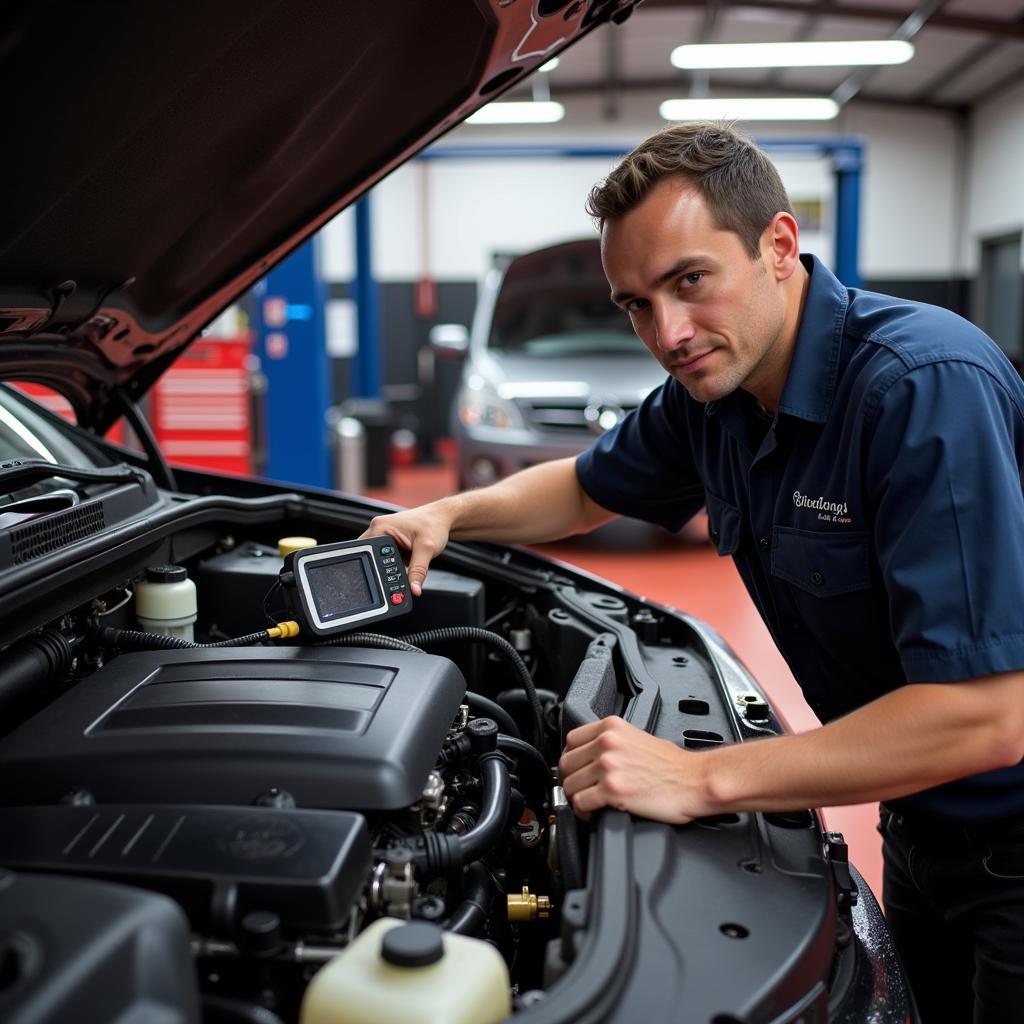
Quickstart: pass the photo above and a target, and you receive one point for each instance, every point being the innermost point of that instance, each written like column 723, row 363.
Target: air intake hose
column 37, row 659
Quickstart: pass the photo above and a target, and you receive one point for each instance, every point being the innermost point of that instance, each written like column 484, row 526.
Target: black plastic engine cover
column 335, row 727
column 219, row 863
column 91, row 952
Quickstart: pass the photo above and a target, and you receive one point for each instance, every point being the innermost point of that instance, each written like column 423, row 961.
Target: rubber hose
column 496, row 790
column 471, row 915
column 525, row 754
column 489, row 708
column 485, row 636
column 517, row 695
column 567, row 842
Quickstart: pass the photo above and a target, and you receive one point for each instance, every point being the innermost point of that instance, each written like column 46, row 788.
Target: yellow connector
column 525, row 908
column 283, row 630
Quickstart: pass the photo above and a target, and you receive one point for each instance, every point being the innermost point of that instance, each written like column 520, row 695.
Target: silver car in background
column 550, row 363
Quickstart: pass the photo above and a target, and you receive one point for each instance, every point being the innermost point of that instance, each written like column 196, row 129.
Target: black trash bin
column 378, row 420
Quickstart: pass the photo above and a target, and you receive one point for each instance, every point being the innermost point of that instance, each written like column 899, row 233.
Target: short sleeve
column 644, row 467
column 944, row 480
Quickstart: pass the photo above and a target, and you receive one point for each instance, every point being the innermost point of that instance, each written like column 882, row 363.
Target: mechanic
column 860, row 459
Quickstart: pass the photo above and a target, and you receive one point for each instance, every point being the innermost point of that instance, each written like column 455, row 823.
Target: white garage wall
column 995, row 197
column 481, row 206
column 909, row 194
column 910, row 191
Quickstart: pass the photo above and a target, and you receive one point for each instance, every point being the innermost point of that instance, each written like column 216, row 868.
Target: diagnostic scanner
column 336, row 587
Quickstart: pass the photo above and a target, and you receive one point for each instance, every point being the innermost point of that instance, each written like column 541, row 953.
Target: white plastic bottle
column 165, row 601
column 395, row 972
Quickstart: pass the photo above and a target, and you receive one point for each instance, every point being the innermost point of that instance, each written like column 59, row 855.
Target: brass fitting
column 525, row 908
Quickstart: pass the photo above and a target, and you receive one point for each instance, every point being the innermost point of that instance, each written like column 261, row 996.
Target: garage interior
column 358, row 365
column 929, row 209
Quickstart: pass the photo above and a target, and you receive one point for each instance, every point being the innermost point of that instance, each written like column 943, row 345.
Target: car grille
column 559, row 417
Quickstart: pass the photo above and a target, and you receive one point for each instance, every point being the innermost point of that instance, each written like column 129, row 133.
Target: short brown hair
column 739, row 183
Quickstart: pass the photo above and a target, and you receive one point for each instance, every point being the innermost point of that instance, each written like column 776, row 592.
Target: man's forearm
column 541, row 503
column 906, row 741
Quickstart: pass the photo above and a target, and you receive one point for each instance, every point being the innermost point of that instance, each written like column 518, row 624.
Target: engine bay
column 247, row 810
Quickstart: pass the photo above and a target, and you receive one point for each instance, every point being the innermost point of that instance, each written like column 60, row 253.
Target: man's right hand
column 422, row 532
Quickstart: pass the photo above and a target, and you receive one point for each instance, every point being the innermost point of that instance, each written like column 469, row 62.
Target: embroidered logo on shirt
column 828, row 511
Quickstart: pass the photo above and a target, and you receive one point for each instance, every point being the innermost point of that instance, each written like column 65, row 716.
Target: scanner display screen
column 340, row 588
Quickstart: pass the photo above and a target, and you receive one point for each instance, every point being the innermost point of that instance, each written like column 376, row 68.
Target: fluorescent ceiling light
column 750, row 108
column 792, row 55
column 550, row 66
column 509, row 112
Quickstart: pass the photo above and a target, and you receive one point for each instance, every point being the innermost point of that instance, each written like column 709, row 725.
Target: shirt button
column 763, row 543
column 714, row 535
column 817, row 577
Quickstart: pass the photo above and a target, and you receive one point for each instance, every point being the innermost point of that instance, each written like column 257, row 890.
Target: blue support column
column 366, row 368
column 291, row 340
column 846, row 164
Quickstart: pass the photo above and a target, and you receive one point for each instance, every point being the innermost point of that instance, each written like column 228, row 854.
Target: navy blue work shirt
column 877, row 519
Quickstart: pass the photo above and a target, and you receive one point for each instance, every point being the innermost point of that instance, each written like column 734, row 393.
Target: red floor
column 691, row 577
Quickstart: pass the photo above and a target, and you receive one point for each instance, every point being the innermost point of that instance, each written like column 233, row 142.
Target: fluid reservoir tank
column 410, row 973
column 165, row 601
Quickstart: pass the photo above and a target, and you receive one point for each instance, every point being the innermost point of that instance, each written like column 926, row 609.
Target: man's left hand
column 614, row 764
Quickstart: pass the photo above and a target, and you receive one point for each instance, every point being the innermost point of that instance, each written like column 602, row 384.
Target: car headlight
column 482, row 406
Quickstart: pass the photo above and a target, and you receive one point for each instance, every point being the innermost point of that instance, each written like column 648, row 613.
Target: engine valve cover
column 335, row 727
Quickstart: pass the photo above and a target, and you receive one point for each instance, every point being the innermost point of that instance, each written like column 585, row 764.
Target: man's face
column 711, row 315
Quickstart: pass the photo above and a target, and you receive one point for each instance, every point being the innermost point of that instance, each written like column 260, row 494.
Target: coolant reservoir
column 165, row 601
column 399, row 973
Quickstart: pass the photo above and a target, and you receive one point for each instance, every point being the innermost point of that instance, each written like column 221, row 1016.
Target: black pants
column 954, row 901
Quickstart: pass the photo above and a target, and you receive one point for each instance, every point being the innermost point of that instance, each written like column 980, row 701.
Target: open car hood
column 167, row 155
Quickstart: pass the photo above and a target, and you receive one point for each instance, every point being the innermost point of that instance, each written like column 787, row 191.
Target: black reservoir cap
column 418, row 944
column 166, row 574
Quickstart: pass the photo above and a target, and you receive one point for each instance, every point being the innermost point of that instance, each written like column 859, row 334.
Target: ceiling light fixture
column 518, row 112
column 792, row 55
column 750, row 108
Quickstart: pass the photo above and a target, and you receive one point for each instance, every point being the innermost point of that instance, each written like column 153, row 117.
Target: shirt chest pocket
column 821, row 564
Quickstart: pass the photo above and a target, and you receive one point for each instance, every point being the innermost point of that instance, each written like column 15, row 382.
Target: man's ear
column 780, row 243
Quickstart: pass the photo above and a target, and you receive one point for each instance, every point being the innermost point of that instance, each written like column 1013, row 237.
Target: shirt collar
column 811, row 382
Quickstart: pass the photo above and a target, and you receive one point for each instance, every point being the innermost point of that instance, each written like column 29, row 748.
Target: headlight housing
column 480, row 405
